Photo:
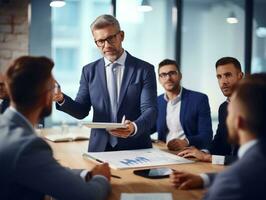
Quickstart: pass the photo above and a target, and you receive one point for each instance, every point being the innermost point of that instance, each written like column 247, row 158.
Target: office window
column 73, row 46
column 259, row 37
column 206, row 37
column 149, row 36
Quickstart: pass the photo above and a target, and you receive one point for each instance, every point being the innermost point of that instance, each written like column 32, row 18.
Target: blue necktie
column 113, row 99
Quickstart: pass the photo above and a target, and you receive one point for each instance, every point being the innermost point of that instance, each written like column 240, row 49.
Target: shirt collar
column 176, row 99
column 121, row 60
column 245, row 147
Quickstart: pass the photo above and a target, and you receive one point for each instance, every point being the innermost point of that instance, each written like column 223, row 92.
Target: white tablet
column 104, row 125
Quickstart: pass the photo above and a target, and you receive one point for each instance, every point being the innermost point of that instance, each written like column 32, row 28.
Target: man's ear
column 240, row 123
column 180, row 74
column 122, row 35
column 240, row 75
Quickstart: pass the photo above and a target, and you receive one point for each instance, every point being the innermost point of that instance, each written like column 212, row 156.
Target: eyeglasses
column 170, row 74
column 110, row 39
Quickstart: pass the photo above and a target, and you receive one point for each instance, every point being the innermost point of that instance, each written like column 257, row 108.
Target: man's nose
column 224, row 80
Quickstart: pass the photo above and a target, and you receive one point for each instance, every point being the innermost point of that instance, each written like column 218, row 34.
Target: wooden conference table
column 69, row 154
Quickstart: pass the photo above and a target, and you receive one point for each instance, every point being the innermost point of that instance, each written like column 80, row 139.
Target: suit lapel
column 128, row 72
column 100, row 68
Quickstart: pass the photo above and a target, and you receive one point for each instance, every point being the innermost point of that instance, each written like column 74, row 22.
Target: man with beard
column 114, row 86
column 183, row 115
column 228, row 73
column 245, row 179
column 28, row 169
column 4, row 99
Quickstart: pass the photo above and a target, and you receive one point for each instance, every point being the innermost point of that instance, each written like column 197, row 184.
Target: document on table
column 146, row 196
column 64, row 134
column 130, row 159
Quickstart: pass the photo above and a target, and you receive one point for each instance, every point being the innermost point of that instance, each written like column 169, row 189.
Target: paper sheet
column 146, row 196
column 136, row 158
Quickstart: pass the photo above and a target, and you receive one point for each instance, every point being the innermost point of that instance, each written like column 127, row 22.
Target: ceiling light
column 261, row 32
column 232, row 19
column 57, row 3
column 145, row 6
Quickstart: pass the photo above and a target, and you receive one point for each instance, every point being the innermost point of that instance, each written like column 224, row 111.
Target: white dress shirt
column 119, row 71
column 173, row 118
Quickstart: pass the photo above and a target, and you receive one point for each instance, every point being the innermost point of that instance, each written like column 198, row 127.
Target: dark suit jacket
column 29, row 171
column 245, row 179
column 195, row 118
column 137, row 101
column 220, row 144
column 4, row 105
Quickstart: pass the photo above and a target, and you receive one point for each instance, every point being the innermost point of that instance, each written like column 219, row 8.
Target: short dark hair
column 27, row 79
column 228, row 60
column 251, row 92
column 169, row 62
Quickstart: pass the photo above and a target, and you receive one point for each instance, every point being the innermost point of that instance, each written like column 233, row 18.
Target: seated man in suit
column 184, row 115
column 114, row 86
column 4, row 99
column 245, row 179
column 28, row 169
column 228, row 73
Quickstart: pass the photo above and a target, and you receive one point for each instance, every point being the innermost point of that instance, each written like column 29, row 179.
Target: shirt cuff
column 100, row 176
column 83, row 174
column 187, row 141
column 60, row 104
column 206, row 180
column 205, row 151
column 136, row 129
column 218, row 160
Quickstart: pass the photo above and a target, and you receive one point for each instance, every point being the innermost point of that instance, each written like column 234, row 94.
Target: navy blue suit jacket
column 244, row 180
column 29, row 171
column 137, row 101
column 195, row 118
column 220, row 144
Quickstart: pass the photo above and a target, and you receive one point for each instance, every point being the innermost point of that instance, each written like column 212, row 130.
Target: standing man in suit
column 245, row 179
column 228, row 73
column 116, row 85
column 184, row 115
column 28, row 169
column 4, row 99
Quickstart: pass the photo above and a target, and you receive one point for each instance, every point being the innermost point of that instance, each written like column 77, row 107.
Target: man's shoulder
column 13, row 134
column 223, row 105
column 93, row 65
column 16, row 141
column 242, row 169
column 138, row 62
column 161, row 98
column 194, row 94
